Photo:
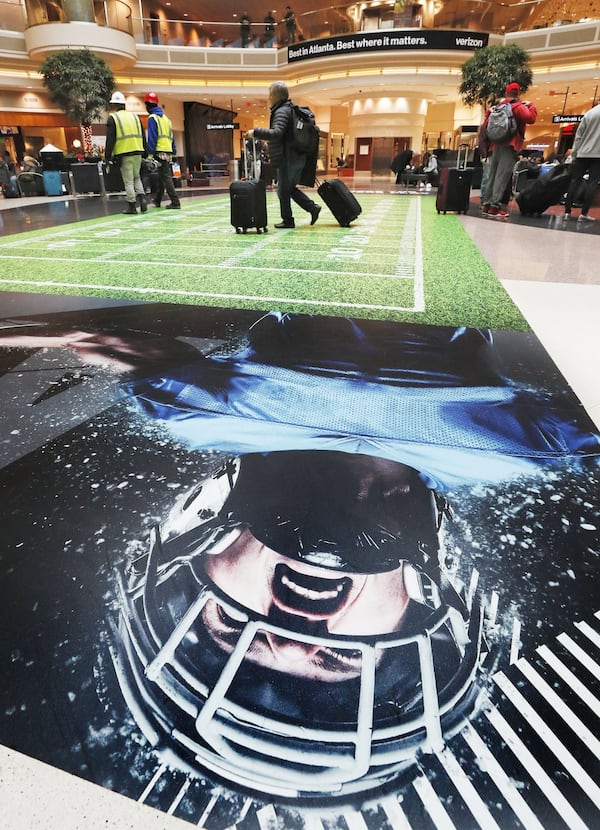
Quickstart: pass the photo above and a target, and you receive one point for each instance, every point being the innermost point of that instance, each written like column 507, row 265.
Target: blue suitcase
column 52, row 183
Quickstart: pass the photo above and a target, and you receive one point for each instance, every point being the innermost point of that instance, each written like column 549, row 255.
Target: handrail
column 481, row 15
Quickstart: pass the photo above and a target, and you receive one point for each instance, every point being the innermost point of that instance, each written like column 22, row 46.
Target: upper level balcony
column 104, row 26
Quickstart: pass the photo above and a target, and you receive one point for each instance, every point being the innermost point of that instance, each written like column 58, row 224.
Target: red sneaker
column 501, row 214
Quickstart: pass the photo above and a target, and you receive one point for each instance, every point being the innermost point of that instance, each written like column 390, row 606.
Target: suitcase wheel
column 238, row 230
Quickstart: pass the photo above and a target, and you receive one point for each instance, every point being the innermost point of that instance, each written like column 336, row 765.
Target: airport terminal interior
column 301, row 525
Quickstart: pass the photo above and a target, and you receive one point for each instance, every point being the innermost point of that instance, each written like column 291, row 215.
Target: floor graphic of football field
column 386, row 265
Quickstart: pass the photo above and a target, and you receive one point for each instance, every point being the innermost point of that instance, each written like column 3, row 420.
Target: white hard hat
column 117, row 98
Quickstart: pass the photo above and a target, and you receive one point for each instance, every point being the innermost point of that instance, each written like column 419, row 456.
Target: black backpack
column 501, row 124
column 305, row 133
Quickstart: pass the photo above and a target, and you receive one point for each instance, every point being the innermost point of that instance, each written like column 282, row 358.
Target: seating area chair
column 31, row 184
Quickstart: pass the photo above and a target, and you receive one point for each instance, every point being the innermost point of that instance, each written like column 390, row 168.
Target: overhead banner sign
column 566, row 119
column 388, row 40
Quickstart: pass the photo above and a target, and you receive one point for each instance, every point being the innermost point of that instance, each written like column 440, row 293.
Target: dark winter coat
column 279, row 133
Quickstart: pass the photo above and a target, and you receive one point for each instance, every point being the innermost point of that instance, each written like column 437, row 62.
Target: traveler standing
column 504, row 150
column 289, row 19
column 269, row 29
column 161, row 146
column 586, row 159
column 245, row 26
column 284, row 157
column 125, row 148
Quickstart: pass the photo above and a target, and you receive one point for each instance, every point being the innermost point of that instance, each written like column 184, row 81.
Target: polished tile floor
column 551, row 272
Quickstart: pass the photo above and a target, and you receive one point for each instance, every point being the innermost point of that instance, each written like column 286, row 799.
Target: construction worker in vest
column 125, row 147
column 161, row 146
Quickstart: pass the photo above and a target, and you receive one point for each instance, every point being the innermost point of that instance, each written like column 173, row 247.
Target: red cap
column 151, row 98
column 513, row 90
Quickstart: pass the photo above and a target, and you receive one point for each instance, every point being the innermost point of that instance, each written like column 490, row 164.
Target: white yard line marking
column 205, row 294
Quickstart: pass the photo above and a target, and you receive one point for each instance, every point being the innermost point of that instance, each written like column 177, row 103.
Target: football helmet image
column 294, row 627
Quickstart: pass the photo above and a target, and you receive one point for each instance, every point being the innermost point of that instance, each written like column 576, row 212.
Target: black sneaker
column 291, row 224
column 173, row 206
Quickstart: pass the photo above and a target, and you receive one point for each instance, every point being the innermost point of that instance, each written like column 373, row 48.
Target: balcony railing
column 476, row 15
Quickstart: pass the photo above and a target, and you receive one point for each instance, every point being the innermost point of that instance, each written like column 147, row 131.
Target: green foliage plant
column 80, row 83
column 486, row 74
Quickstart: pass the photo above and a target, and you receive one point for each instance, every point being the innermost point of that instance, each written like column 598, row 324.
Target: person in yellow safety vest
column 161, row 146
column 125, row 146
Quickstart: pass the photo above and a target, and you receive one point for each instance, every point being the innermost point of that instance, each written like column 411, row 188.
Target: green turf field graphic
column 399, row 260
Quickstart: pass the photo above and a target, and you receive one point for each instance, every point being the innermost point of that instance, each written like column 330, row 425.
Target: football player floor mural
column 365, row 548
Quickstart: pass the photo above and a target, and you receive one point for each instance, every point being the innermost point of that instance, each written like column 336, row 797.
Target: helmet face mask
column 274, row 693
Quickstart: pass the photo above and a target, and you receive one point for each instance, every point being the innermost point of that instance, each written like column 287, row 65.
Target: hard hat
column 151, row 98
column 117, row 98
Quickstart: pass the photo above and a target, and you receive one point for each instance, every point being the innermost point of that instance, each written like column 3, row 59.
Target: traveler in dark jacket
column 288, row 162
column 400, row 163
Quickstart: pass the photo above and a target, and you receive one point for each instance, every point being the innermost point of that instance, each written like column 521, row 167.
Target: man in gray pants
column 504, row 154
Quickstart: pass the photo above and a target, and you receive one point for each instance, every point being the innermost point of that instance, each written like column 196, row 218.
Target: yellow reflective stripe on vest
column 164, row 141
column 129, row 137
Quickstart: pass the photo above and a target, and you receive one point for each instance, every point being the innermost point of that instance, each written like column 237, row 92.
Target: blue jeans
column 288, row 176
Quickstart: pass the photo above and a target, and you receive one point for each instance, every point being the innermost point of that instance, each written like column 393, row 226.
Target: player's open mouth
column 302, row 593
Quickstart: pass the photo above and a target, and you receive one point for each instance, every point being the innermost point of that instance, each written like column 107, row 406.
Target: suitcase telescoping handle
column 461, row 156
column 254, row 159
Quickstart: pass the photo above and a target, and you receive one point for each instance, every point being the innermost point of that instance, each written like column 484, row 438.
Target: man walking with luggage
column 125, row 147
column 586, row 159
column 506, row 136
column 161, row 146
column 284, row 157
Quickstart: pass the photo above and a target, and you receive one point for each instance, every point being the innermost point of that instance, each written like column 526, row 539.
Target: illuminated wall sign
column 566, row 119
column 222, row 126
column 408, row 40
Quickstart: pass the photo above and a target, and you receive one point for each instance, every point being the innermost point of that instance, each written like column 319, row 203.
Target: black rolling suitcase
column 545, row 191
column 112, row 179
column 340, row 201
column 454, row 189
column 248, row 200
